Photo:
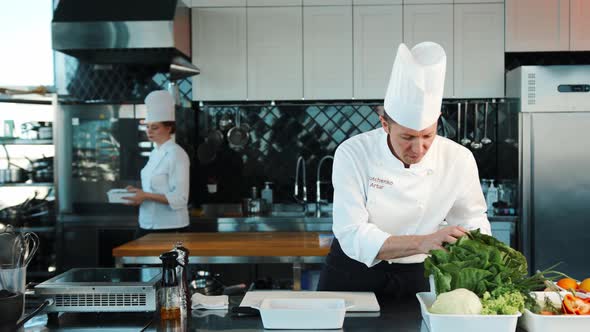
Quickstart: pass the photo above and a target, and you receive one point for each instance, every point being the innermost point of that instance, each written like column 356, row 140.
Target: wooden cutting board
column 359, row 301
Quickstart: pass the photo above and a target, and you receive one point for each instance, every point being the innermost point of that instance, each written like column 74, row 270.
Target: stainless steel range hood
column 147, row 32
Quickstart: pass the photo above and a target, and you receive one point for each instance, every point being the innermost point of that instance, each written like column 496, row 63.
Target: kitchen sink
column 298, row 211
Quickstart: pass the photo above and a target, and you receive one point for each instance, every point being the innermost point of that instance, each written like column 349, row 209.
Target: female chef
column 394, row 186
column 163, row 196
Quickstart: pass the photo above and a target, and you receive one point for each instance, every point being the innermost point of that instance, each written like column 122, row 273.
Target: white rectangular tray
column 116, row 196
column 302, row 314
column 463, row 323
column 541, row 323
column 355, row 301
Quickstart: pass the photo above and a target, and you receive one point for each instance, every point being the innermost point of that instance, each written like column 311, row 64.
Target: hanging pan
column 239, row 135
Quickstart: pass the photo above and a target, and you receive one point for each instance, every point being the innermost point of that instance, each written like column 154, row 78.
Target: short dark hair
column 381, row 112
column 171, row 125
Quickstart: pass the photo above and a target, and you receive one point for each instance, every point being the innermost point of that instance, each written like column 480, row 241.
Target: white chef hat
column 416, row 85
column 160, row 106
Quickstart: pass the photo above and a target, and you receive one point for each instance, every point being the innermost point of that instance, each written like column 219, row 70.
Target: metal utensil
column 465, row 140
column 239, row 135
column 225, row 123
column 445, row 128
column 485, row 139
column 31, row 244
column 215, row 138
column 475, row 144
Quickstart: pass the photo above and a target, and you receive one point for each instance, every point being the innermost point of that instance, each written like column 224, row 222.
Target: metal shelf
column 28, row 99
column 36, row 229
column 23, row 141
column 25, row 184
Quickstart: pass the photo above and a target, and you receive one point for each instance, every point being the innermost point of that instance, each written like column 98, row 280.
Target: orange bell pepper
column 574, row 305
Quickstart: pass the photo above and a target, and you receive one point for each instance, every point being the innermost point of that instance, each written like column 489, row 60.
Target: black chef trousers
column 342, row 273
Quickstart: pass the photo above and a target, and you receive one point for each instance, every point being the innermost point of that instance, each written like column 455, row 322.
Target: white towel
column 200, row 301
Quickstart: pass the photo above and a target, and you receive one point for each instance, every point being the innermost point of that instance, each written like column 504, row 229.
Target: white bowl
column 542, row 323
column 116, row 195
column 463, row 323
column 302, row 314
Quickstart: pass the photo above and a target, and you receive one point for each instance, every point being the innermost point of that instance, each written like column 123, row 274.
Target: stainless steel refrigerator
column 552, row 105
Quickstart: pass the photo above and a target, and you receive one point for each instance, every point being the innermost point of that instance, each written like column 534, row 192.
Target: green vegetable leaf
column 477, row 262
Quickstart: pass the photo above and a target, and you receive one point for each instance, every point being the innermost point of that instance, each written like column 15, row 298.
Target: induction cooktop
column 102, row 290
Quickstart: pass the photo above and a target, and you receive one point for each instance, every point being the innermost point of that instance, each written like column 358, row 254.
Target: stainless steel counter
column 226, row 224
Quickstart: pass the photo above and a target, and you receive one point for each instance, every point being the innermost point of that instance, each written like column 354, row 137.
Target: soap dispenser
column 266, row 195
column 491, row 198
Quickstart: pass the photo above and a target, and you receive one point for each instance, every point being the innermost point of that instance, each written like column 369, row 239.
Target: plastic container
column 267, row 196
column 302, row 314
column 542, row 323
column 463, row 323
column 116, row 196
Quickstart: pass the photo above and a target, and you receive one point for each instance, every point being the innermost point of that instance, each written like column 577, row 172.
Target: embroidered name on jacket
column 379, row 183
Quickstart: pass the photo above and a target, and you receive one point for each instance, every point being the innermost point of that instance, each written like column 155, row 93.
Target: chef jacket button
column 429, row 172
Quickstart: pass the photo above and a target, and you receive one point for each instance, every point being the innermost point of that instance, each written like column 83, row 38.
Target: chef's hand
column 435, row 240
column 136, row 199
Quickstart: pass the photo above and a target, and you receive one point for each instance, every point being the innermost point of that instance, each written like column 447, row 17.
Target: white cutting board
column 360, row 301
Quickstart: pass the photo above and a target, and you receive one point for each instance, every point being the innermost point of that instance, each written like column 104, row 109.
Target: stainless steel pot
column 17, row 175
column 4, row 175
column 13, row 175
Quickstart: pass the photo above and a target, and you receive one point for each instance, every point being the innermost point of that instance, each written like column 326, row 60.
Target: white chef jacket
column 375, row 196
column 166, row 173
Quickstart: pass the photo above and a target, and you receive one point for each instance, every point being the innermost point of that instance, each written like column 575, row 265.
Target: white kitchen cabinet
column 479, row 50
column 537, row 25
column 273, row 3
column 327, row 2
column 327, row 52
column 432, row 23
column 580, row 25
column 427, row 2
column 219, row 50
column 376, row 2
column 478, row 1
column 275, row 54
column 377, row 34
column 217, row 3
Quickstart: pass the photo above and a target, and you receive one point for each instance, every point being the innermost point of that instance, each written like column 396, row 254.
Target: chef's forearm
column 156, row 197
column 400, row 246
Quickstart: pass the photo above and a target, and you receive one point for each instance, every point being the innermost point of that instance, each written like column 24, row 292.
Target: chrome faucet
column 318, row 184
column 301, row 161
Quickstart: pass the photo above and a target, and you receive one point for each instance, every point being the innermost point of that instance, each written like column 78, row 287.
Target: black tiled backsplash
column 280, row 134
column 116, row 83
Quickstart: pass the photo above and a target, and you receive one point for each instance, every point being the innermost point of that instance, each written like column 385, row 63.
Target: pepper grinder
column 182, row 275
column 169, row 292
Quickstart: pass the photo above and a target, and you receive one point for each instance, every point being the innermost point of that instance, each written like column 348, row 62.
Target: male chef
column 401, row 190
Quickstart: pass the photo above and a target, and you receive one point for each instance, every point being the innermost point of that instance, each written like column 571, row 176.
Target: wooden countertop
column 262, row 244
